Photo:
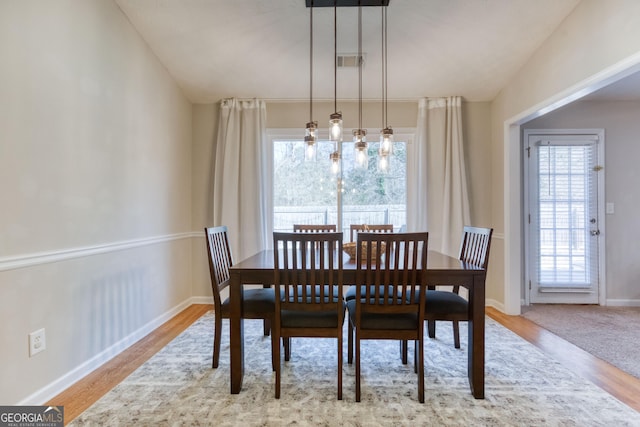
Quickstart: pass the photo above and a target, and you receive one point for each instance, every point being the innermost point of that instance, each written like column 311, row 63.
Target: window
column 306, row 192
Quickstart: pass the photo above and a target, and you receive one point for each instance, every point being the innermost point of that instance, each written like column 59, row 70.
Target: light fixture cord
column 311, row 63
column 335, row 56
column 383, row 71
column 386, row 55
column 359, row 65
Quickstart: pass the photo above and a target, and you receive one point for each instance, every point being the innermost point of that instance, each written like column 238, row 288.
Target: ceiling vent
column 350, row 60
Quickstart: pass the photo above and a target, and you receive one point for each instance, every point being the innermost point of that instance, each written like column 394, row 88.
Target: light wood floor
column 85, row 392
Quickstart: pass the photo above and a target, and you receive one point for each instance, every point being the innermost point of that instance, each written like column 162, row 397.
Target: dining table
column 441, row 270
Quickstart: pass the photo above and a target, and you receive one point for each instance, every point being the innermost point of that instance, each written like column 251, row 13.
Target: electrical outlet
column 37, row 342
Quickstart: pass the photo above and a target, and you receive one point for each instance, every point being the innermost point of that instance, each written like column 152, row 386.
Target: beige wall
column 596, row 36
column 95, row 165
column 205, row 126
column 622, row 149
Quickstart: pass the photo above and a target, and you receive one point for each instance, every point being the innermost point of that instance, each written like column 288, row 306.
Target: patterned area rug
column 177, row 387
column 610, row 333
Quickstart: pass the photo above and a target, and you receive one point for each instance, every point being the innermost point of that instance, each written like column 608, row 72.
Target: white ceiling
column 259, row 48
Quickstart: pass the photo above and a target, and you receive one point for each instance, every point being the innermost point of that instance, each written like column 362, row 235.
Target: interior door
column 563, row 186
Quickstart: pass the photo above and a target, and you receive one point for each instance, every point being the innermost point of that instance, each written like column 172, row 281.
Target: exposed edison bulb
column 386, row 141
column 335, row 168
column 362, row 159
column 361, row 147
column 310, row 152
column 383, row 163
column 335, row 127
column 310, row 137
column 335, row 162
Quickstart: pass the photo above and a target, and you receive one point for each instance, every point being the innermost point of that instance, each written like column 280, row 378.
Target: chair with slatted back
column 314, row 228
column 445, row 305
column 448, row 305
column 306, row 228
column 369, row 228
column 308, row 291
column 258, row 303
column 364, row 228
column 388, row 303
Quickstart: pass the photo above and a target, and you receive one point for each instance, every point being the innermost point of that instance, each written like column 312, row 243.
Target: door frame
column 601, row 286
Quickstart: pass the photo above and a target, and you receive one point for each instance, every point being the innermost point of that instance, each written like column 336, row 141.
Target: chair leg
column 275, row 342
column 340, row 367
column 456, row 334
column 420, row 363
column 266, row 326
column 276, row 356
column 357, row 344
column 217, row 336
column 404, row 350
column 286, row 342
column 350, row 344
column 415, row 356
column 431, row 327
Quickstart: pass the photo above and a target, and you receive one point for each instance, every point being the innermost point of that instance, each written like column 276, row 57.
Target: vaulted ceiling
column 259, row 48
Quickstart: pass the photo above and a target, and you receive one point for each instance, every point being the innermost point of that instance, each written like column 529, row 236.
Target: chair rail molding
column 38, row 258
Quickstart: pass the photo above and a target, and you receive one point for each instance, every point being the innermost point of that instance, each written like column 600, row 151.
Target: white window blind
column 567, row 253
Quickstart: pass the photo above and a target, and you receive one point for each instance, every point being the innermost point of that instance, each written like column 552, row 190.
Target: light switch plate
column 610, row 208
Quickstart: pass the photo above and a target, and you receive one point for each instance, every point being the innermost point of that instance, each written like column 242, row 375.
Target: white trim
column 494, row 303
column 203, row 299
column 30, row 260
column 513, row 221
column 592, row 134
column 65, row 381
column 623, row 302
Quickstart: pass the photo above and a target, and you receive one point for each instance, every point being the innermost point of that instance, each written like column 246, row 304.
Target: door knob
column 595, row 232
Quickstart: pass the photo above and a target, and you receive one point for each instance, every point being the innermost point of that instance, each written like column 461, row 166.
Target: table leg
column 236, row 338
column 476, row 337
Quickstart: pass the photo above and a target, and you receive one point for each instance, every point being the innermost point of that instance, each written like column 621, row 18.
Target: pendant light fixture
column 386, row 134
column 360, row 135
column 311, row 131
column 335, row 119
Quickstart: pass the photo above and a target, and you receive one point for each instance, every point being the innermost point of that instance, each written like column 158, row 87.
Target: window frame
column 406, row 135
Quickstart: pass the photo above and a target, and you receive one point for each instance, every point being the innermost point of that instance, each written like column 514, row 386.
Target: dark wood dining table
column 441, row 270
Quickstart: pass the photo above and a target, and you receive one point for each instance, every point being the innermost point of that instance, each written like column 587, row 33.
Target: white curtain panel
column 238, row 193
column 437, row 197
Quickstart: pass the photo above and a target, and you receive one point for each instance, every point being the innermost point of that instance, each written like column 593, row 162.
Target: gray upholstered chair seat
column 445, row 302
column 307, row 319
column 393, row 321
column 255, row 300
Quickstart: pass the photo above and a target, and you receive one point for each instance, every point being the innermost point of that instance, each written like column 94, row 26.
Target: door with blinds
column 563, row 184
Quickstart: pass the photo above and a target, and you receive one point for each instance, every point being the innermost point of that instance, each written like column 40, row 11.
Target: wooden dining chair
column 258, row 303
column 449, row 305
column 314, row 228
column 306, row 228
column 445, row 305
column 388, row 303
column 308, row 291
column 364, row 228
column 370, row 228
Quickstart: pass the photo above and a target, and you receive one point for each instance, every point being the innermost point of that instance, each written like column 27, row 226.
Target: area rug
column 177, row 387
column 609, row 333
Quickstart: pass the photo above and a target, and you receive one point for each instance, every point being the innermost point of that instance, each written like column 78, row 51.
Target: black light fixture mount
column 346, row 3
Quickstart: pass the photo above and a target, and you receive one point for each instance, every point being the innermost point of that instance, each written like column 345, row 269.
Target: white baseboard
column 495, row 304
column 202, row 300
column 623, row 303
column 56, row 387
